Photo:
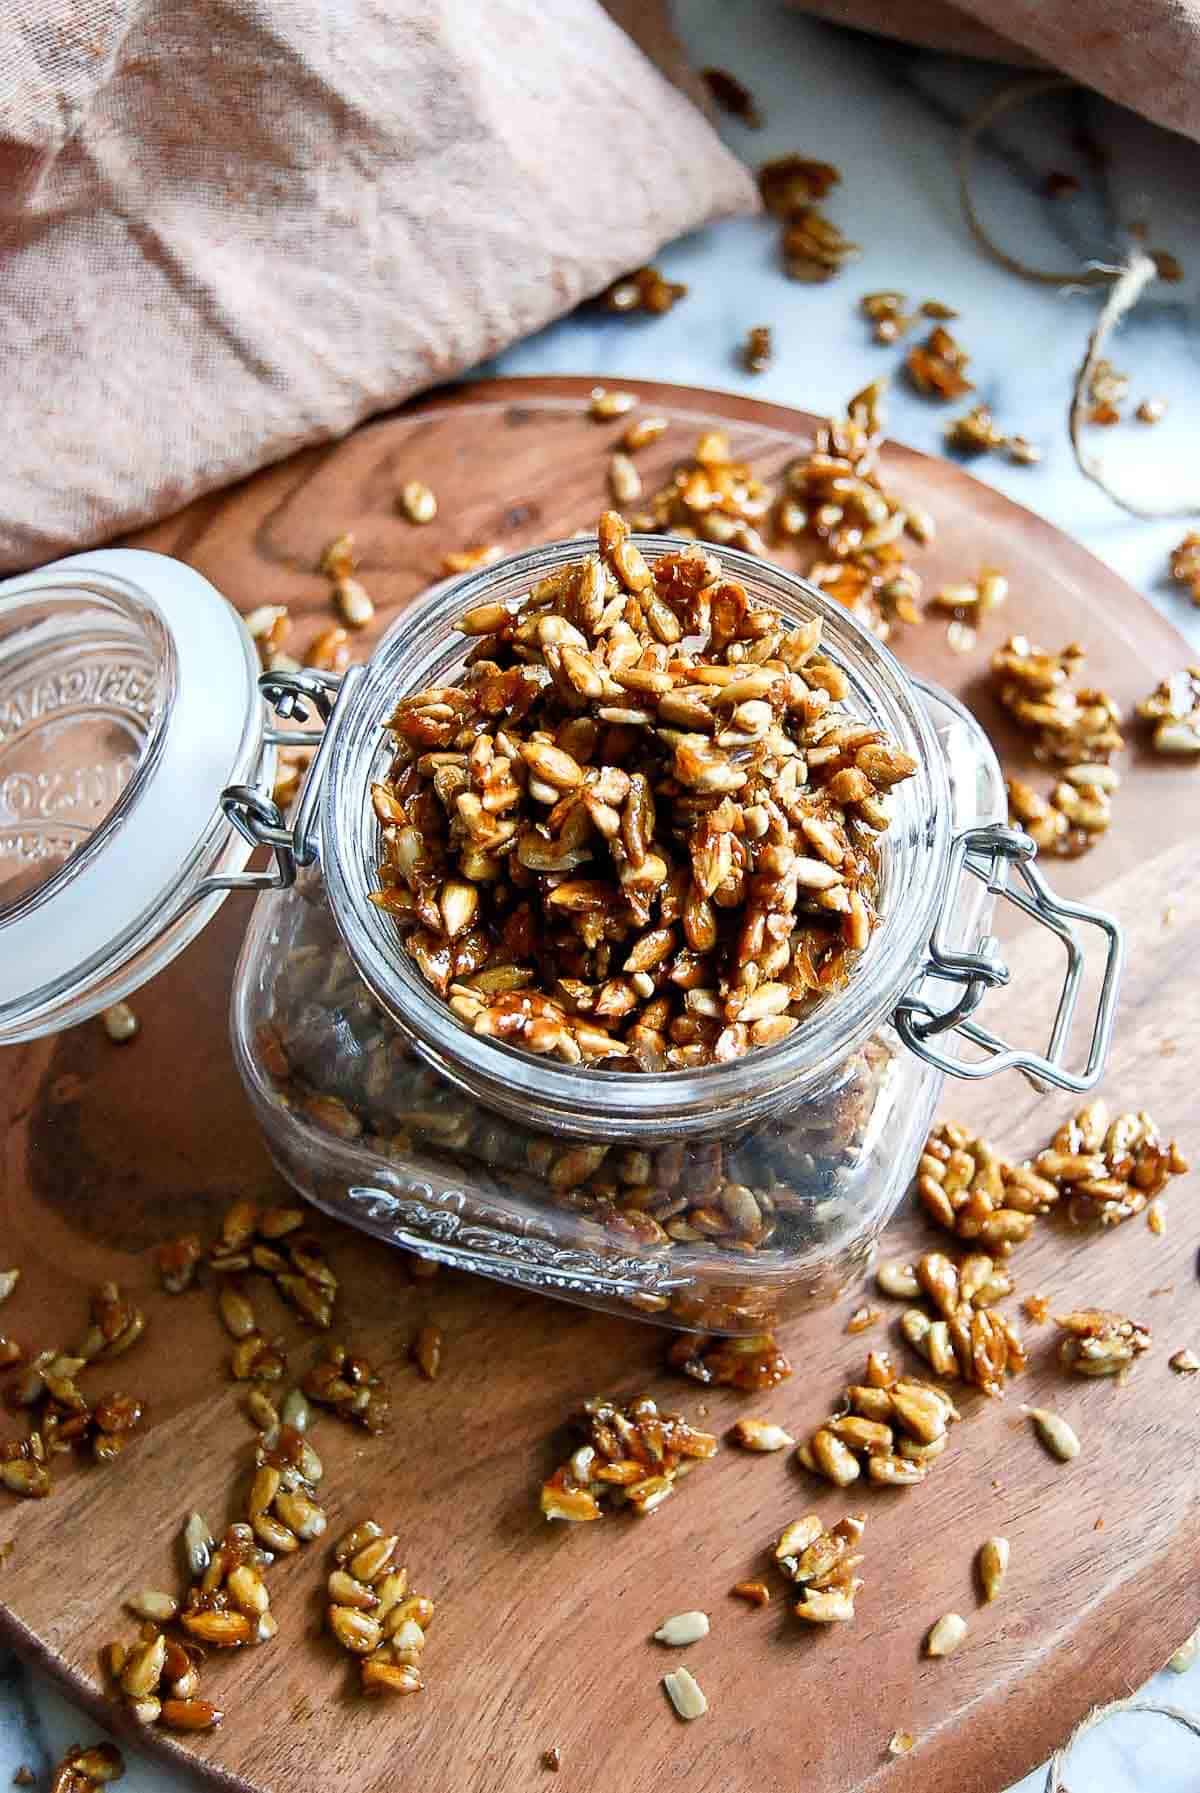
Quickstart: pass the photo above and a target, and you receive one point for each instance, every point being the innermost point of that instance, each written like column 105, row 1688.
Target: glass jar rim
column 416, row 652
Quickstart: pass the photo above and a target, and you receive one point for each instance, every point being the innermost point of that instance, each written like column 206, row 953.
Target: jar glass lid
column 128, row 701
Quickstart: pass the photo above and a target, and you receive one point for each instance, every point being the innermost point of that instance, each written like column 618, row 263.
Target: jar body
column 722, row 1226
column 714, row 1198
column 723, row 1229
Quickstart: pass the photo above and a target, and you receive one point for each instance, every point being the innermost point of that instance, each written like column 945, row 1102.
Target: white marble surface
column 888, row 118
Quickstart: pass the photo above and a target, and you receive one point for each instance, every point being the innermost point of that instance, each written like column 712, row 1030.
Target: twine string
column 1126, row 283
column 1100, row 1715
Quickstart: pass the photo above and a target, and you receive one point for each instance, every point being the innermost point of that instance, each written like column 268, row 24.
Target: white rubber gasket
column 141, row 866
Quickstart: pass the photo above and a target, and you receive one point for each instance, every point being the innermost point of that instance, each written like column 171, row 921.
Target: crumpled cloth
column 230, row 228
column 1145, row 54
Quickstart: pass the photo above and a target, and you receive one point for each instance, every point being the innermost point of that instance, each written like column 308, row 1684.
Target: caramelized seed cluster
column 157, row 1676
column 1095, row 1168
column 963, row 1337
column 821, row 1563
column 645, row 289
column 751, row 1363
column 228, row 1605
column 967, row 1188
column 835, row 499
column 641, row 831
column 712, row 497
column 1185, row 564
column 374, row 1615
column 1109, row 1170
column 937, row 367
column 1068, row 724
column 1173, row 709
column 1099, row 1343
column 61, row 1417
column 895, row 1425
column 628, row 1456
column 349, row 1385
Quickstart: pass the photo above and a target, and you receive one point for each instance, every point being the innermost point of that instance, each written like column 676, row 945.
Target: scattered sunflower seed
column 1054, row 1432
column 639, row 432
column 1185, row 1655
column 946, row 1635
column 682, row 1629
column 1185, row 1362
column 900, row 1743
column 604, row 405
column 1024, row 452
column 353, row 603
column 338, row 558
column 684, row 1693
column 624, row 480
column 897, row 1280
column 993, row 1565
column 120, row 1023
column 975, row 432
column 760, row 1435
column 732, row 96
column 417, row 501
column 468, row 560
column 757, row 349
column 1174, row 710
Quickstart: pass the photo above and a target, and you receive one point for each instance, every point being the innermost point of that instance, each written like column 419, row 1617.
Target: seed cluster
column 1100, row 1343
column 896, row 1425
column 710, row 497
column 372, row 1612
column 629, row 1456
column 349, row 1385
column 965, row 1337
column 750, row 1363
column 1185, row 564
column 644, row 289
column 937, row 367
column 1173, row 709
column 835, row 498
column 967, row 1188
column 1108, row 1171
column 61, row 1417
column 1077, row 727
column 268, row 1242
column 1097, row 1169
column 812, row 248
column 81, row 1770
column 641, row 831
column 821, row 1563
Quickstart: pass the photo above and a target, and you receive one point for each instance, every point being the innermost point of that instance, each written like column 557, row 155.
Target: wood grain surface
column 542, row 1635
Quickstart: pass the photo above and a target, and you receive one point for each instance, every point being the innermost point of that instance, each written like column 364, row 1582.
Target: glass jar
column 715, row 1198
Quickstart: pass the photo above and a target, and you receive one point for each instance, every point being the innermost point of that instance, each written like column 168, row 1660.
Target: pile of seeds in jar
column 641, row 832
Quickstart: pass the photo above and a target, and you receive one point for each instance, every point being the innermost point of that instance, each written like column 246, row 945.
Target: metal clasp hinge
column 293, row 696
column 994, row 855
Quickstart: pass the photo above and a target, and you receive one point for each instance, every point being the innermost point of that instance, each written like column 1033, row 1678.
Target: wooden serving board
column 542, row 1632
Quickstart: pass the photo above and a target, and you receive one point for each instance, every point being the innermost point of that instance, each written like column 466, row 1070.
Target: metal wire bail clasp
column 293, row 696
column 993, row 855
